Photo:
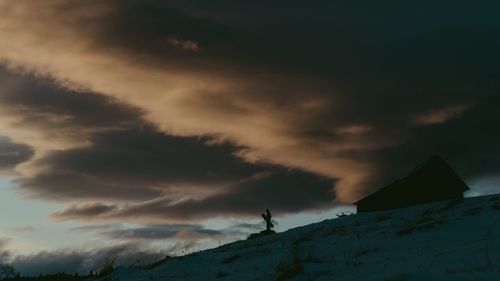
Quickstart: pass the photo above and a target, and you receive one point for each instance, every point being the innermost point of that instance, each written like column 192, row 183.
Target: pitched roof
column 432, row 177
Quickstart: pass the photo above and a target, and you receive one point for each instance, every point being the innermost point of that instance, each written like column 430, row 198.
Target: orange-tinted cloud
column 184, row 101
column 441, row 115
column 302, row 89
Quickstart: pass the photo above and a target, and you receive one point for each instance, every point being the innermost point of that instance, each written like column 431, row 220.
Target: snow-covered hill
column 439, row 241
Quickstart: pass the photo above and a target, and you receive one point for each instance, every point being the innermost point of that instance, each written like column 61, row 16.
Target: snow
column 437, row 241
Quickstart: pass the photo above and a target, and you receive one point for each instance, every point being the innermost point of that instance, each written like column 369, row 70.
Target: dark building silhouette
column 431, row 181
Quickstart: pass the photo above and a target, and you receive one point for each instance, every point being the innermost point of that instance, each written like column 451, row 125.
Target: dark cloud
column 387, row 62
column 93, row 227
column 82, row 261
column 4, row 253
column 160, row 232
column 60, row 186
column 149, row 158
column 34, row 98
column 145, row 164
column 248, row 226
column 379, row 86
column 125, row 158
column 339, row 39
column 12, row 154
column 168, row 232
column 283, row 191
column 88, row 210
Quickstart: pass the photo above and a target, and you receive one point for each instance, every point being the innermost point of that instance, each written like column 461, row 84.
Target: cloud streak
column 303, row 192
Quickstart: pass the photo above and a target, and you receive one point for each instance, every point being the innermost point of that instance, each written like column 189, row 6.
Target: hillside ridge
column 448, row 240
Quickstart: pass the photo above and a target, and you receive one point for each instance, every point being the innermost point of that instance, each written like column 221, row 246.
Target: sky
column 136, row 128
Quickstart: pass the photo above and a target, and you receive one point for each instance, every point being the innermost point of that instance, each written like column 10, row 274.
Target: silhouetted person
column 267, row 217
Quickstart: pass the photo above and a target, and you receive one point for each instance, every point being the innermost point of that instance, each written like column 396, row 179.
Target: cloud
column 21, row 229
column 114, row 156
column 285, row 191
column 12, row 154
column 440, row 115
column 248, row 226
column 181, row 99
column 82, row 261
column 341, row 96
column 158, row 232
column 4, row 253
column 186, row 45
column 88, row 210
column 45, row 118
column 129, row 245
column 169, row 232
column 137, row 164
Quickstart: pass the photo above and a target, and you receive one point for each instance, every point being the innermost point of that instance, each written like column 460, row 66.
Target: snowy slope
column 439, row 241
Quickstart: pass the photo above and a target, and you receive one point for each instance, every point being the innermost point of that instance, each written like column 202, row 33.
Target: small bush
column 230, row 259
column 363, row 251
column 7, row 271
column 472, row 211
column 410, row 228
column 108, row 267
column 337, row 229
column 290, row 272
